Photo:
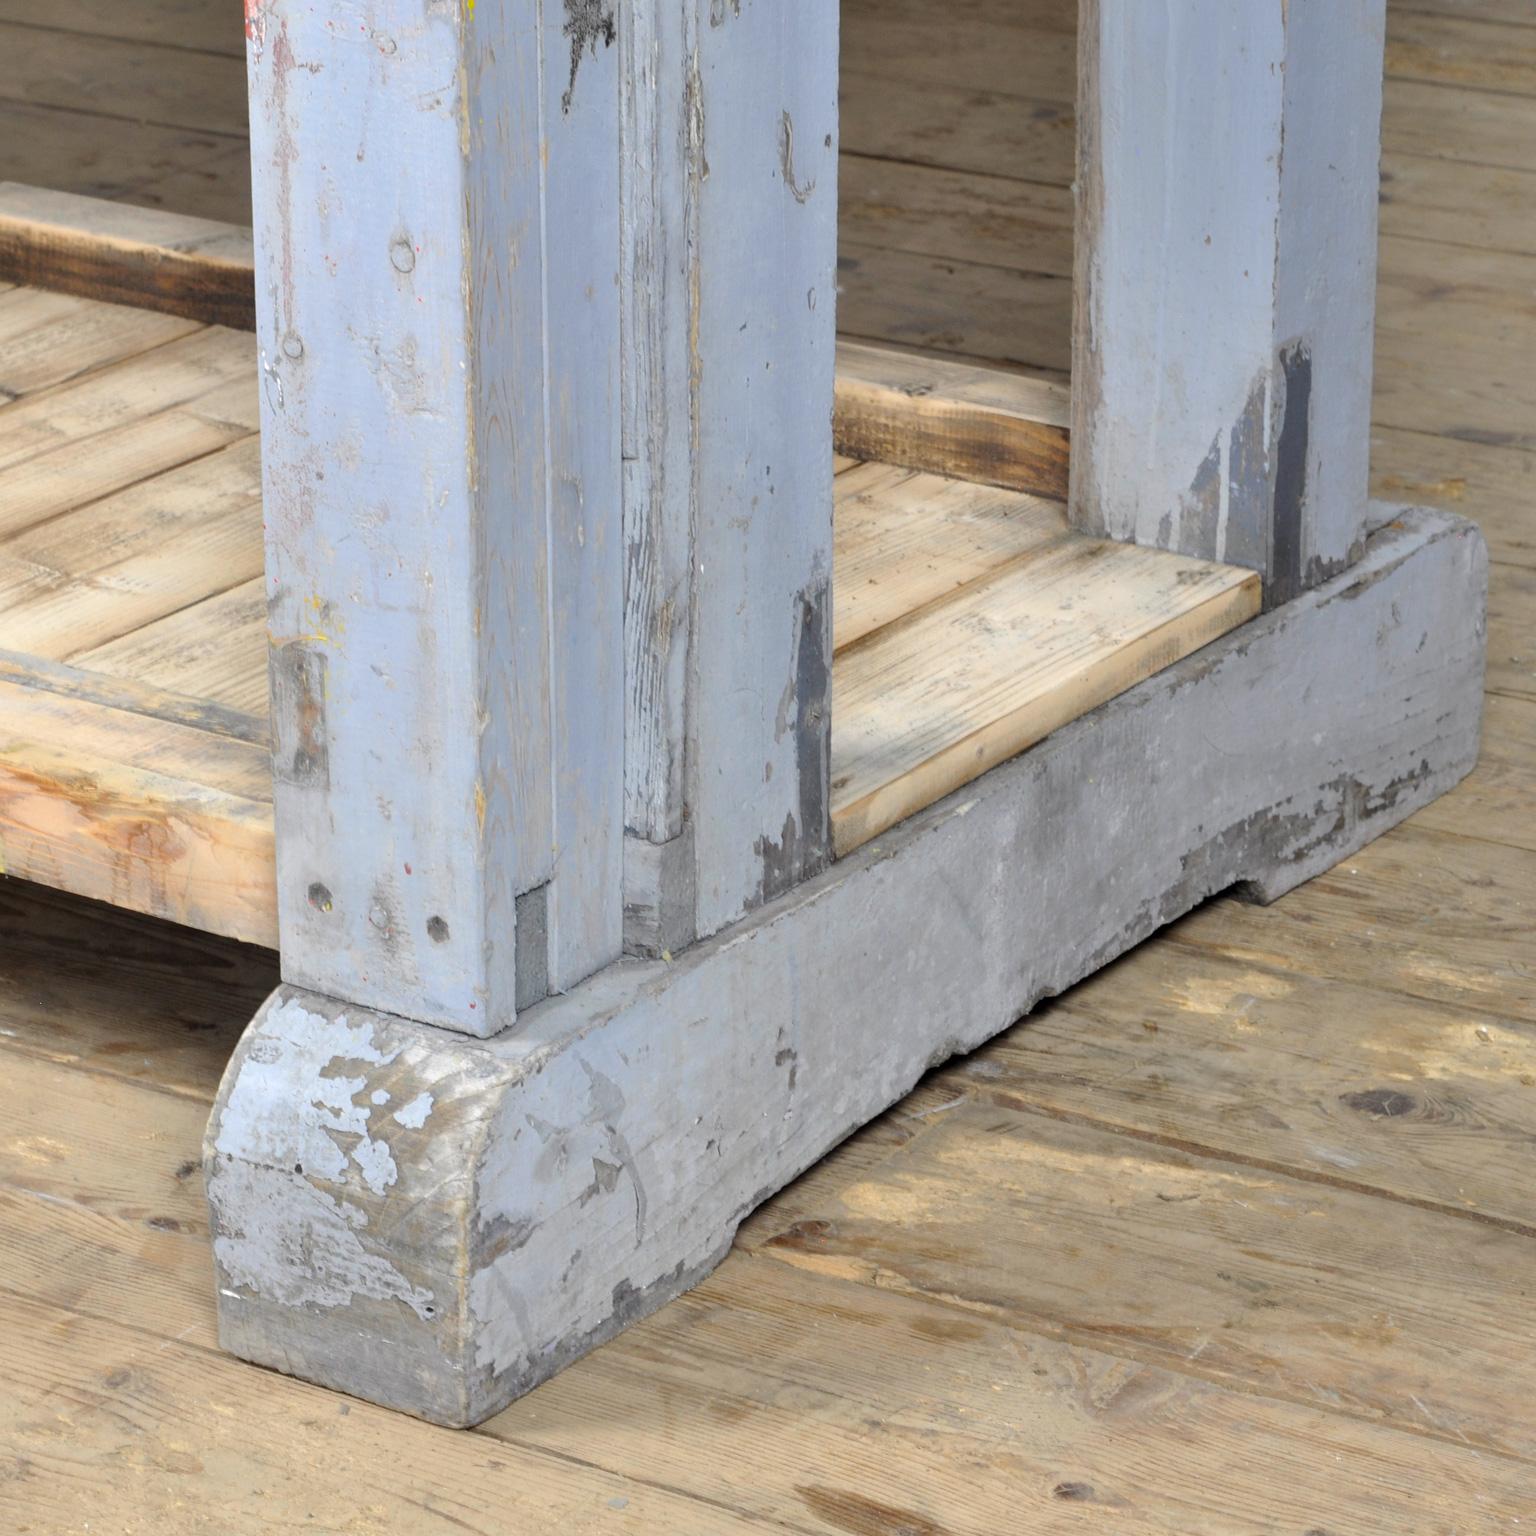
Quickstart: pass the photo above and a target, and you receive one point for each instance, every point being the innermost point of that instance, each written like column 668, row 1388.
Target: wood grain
column 127, row 256
column 932, row 700
column 969, row 423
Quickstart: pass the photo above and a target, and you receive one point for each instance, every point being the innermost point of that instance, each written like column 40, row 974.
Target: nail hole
column 319, row 897
column 437, row 930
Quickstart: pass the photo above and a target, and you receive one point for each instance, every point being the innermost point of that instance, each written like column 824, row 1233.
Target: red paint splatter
column 254, row 27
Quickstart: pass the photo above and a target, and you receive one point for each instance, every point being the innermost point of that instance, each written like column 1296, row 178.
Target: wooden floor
column 1235, row 1237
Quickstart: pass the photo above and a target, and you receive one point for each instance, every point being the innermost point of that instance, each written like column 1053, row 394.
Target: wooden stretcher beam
column 970, row 423
column 195, row 268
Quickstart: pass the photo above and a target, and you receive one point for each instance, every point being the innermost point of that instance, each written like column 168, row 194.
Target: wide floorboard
column 1232, row 1238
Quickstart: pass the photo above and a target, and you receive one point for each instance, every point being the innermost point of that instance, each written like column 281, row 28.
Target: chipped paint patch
column 414, row 1115
column 587, row 23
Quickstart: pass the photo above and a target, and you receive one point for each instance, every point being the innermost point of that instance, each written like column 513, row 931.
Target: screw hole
column 298, row 1167
column 319, row 897
column 437, row 930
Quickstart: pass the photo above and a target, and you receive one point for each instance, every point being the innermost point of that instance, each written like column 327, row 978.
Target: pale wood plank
column 927, row 704
column 904, row 540
column 1485, row 54
column 1487, row 207
column 954, row 419
column 59, row 479
column 48, row 339
column 218, row 187
column 81, row 72
column 271, row 1449
column 1327, row 1079
column 1448, row 919
column 96, row 156
column 141, row 812
column 173, row 23
column 1496, row 801
column 1512, row 632
column 175, row 374
column 993, row 313
column 92, row 576
column 129, row 694
column 1492, row 484
column 959, row 215
column 1289, row 1288
column 214, row 649
column 1518, row 11
column 988, row 1417
column 147, row 258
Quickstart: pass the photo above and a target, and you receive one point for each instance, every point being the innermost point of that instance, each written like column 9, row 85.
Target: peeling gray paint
column 577, row 1172
column 587, row 23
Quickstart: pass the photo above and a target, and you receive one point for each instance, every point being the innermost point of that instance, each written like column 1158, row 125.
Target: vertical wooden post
column 730, row 241
column 436, row 208
column 1225, row 288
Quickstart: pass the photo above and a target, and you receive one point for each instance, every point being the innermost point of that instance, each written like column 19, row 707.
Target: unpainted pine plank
column 63, row 962
column 80, row 72
column 1482, row 54
column 1497, row 801
column 1058, row 16
column 92, row 576
column 1322, row 1079
column 930, row 703
column 1518, row 11
column 905, row 539
column 175, row 374
column 96, row 156
column 1487, row 207
column 994, row 49
column 1454, row 123
column 59, row 479
column 1481, row 392
column 1512, row 632
column 1493, row 485
column 214, row 649
column 130, row 694
column 966, row 130
column 950, row 307
column 953, row 419
column 215, row 187
column 857, row 1408
column 1448, row 919
column 141, row 257
column 957, row 128
column 958, row 215
column 1282, row 1287
column 139, row 812
column 47, row 339
column 173, row 23
column 149, row 1433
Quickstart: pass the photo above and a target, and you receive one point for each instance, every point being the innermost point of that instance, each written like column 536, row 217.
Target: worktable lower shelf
column 970, row 621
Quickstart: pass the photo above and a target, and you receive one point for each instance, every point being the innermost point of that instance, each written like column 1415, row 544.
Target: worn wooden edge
column 441, row 1260
column 954, row 419
column 96, row 249
column 131, row 696
column 880, row 806
column 146, row 841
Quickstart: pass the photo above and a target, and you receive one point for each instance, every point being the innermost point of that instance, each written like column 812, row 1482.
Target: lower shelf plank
column 141, row 799
column 931, row 700
column 970, row 619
